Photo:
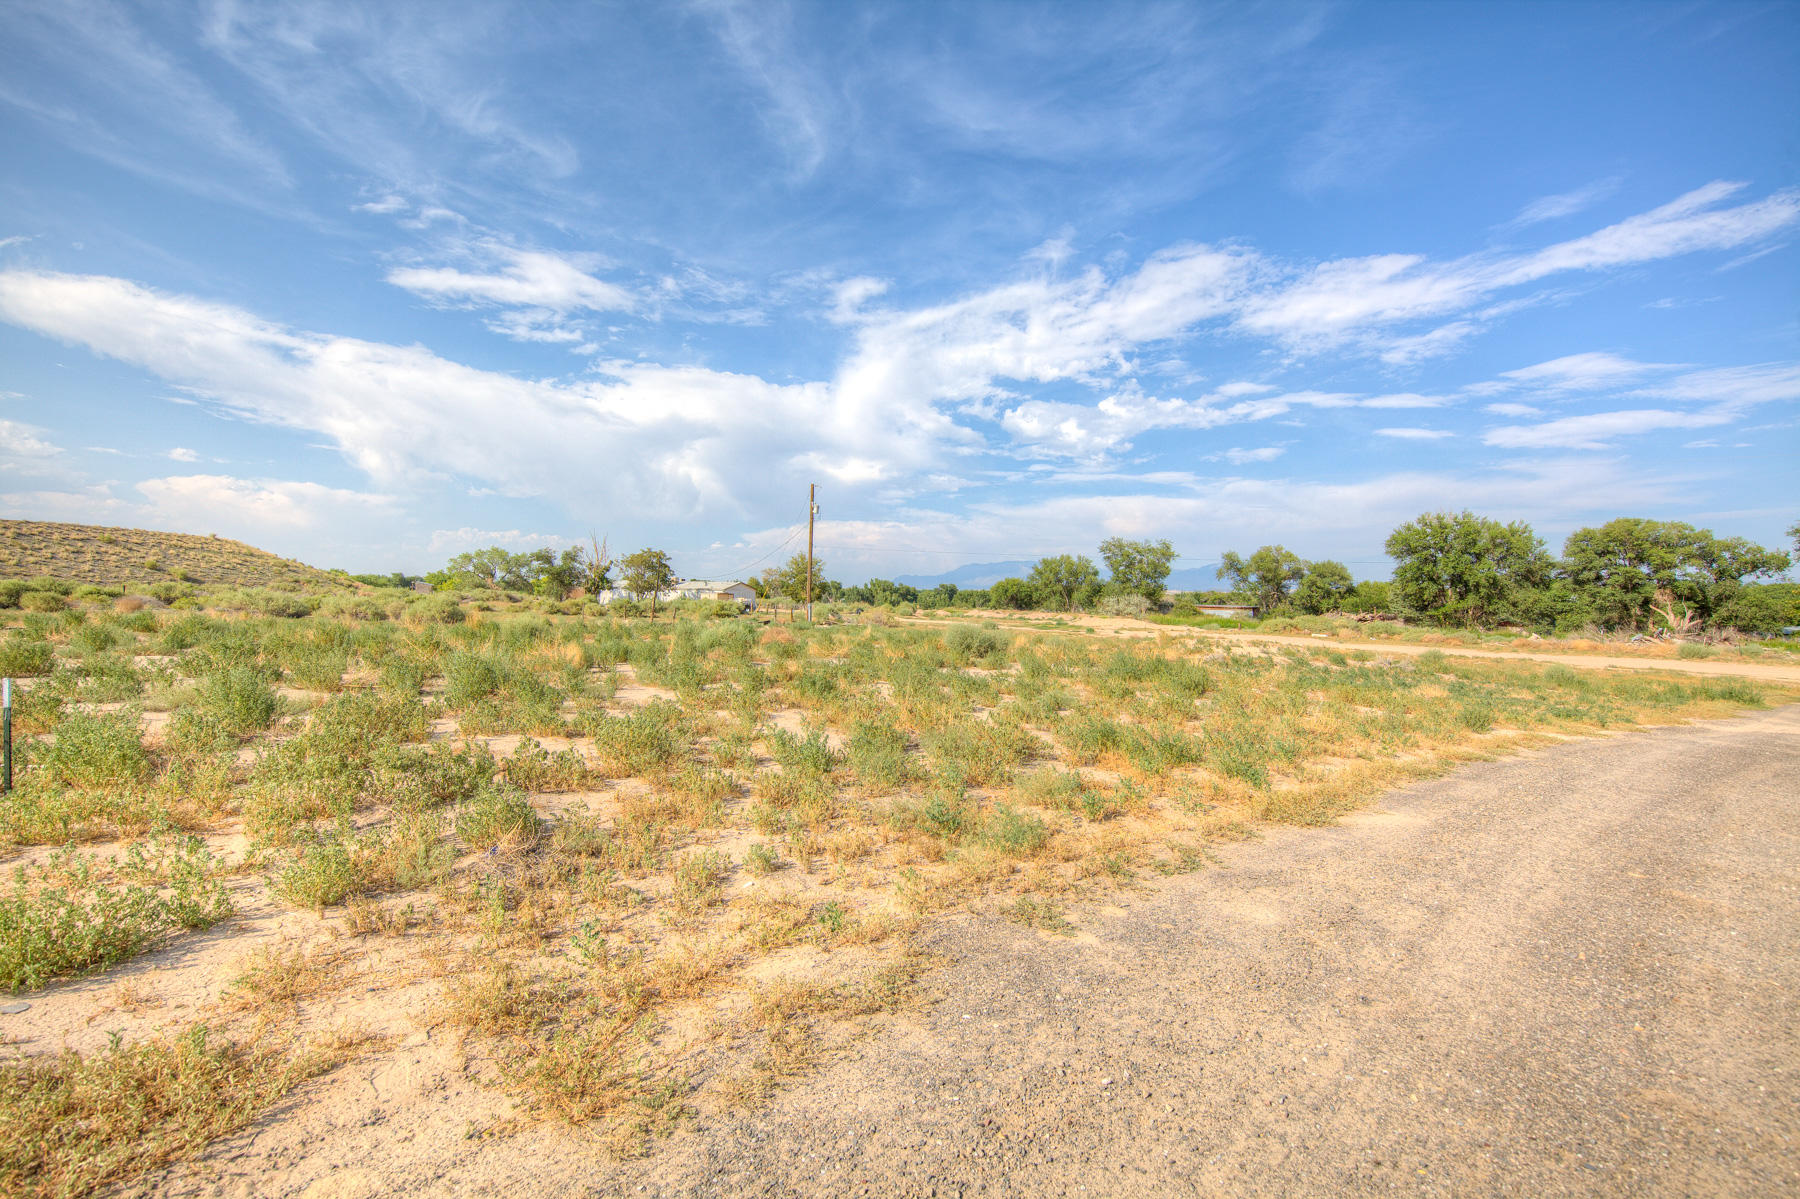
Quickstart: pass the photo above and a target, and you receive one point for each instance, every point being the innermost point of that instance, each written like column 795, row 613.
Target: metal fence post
column 6, row 729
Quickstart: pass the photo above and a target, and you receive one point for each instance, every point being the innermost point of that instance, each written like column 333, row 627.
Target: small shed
column 1229, row 611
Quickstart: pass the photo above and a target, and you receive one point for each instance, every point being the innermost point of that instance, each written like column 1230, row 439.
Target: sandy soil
column 1575, row 971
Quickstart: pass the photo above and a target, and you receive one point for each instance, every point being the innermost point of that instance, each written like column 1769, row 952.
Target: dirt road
column 1573, row 972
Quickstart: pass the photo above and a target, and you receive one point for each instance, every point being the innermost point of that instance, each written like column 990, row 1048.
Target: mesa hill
column 108, row 557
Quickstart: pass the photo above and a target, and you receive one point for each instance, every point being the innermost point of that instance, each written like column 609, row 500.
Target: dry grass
column 110, row 557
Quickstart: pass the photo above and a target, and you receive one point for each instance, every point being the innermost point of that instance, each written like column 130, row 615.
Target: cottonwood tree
column 1013, row 594
column 1267, row 576
column 1061, row 578
column 1138, row 567
column 1463, row 568
column 647, row 573
column 1636, row 571
column 790, row 580
column 1326, row 587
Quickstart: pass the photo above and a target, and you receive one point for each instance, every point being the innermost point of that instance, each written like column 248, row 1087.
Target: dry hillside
column 108, row 556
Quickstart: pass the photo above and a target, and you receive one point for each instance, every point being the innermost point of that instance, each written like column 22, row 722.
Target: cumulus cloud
column 196, row 501
column 183, row 454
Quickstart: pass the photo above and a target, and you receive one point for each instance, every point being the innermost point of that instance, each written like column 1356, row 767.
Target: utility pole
column 812, row 510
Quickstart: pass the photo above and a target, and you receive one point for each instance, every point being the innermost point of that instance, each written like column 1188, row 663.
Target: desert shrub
column 94, row 749
column 877, row 754
column 237, row 701
column 42, row 601
column 97, row 638
column 424, row 776
column 357, row 722
column 317, row 668
column 1010, row 831
column 470, row 677
column 326, row 870
column 811, row 753
column 968, row 644
column 646, row 741
column 108, row 678
column 697, row 880
column 23, row 657
column 496, row 816
column 73, row 913
column 1694, row 649
column 435, row 609
column 1124, row 605
column 535, row 768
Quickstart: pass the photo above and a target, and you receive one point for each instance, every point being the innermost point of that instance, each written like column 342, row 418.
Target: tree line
column 1454, row 569
column 1466, row 570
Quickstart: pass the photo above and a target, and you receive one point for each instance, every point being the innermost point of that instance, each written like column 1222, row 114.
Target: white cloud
column 1550, row 208
column 206, row 501
column 680, row 441
column 467, row 538
column 1404, row 400
column 1721, row 396
column 1414, row 434
column 1340, row 300
column 182, row 454
column 532, row 279
column 1510, row 409
column 1243, row 457
column 1583, row 372
column 1597, row 430
column 21, row 441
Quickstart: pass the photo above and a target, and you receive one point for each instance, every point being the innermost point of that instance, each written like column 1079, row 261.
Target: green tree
column 1370, row 595
column 885, row 591
column 647, row 573
column 1012, row 593
column 1061, row 578
column 1326, row 587
column 1463, row 568
column 790, row 580
column 1138, row 567
column 1635, row 571
column 1267, row 576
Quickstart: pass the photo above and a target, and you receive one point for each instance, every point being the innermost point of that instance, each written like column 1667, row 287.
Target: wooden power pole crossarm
column 812, row 509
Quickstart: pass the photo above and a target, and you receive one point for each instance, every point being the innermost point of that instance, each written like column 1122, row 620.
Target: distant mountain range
column 986, row 574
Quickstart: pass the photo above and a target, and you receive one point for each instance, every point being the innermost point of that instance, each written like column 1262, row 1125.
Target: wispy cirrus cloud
column 1337, row 302
column 1413, row 433
column 1565, row 204
column 1719, row 397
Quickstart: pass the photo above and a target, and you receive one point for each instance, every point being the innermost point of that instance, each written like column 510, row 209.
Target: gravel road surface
column 1574, row 972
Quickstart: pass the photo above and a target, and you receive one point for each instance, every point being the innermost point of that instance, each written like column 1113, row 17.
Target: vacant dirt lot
column 1571, row 972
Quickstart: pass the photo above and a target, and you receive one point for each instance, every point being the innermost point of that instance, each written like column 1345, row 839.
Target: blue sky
column 372, row 284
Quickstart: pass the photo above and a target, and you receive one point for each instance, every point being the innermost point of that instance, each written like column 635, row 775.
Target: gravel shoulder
column 1575, row 971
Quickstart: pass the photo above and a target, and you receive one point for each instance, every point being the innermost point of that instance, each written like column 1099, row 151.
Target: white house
column 715, row 589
